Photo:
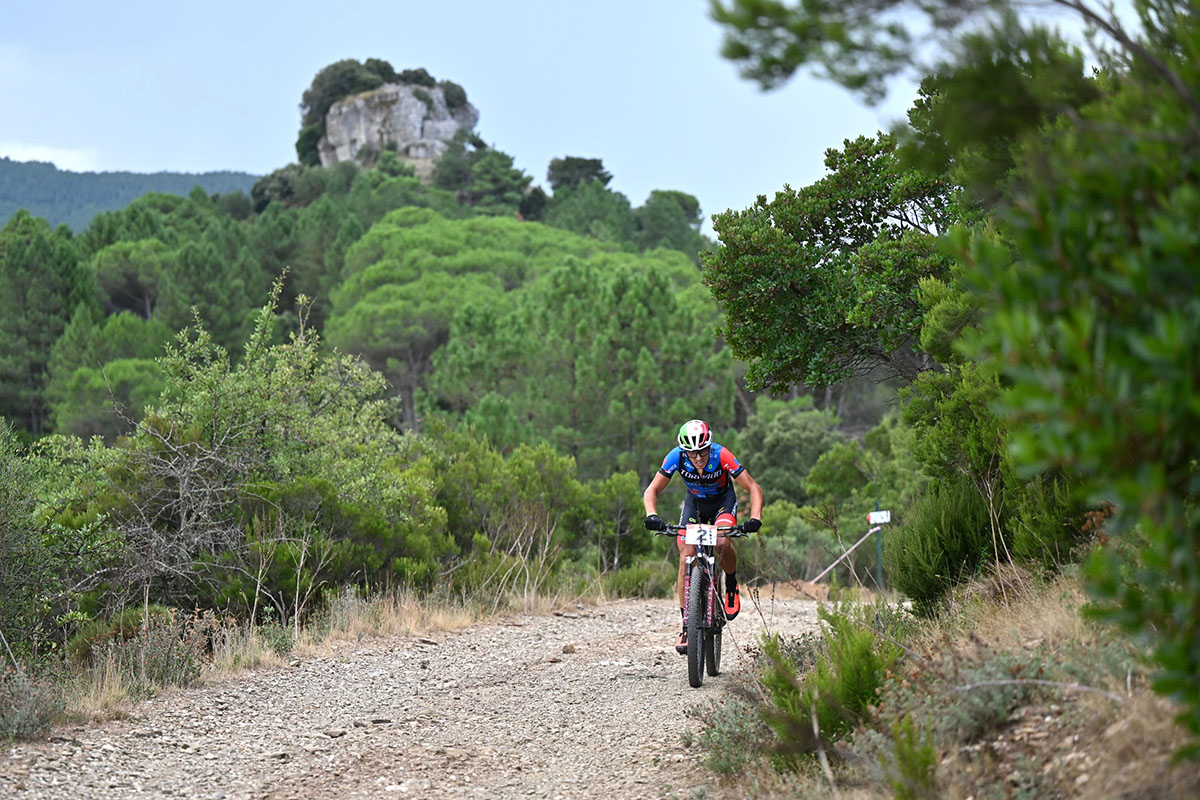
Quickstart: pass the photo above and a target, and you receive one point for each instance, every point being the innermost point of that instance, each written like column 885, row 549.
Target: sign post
column 879, row 518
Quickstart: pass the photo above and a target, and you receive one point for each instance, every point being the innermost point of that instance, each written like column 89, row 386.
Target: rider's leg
column 725, row 551
column 728, row 559
column 687, row 513
column 685, row 550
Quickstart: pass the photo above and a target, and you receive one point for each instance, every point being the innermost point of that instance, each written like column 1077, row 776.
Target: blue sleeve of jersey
column 670, row 464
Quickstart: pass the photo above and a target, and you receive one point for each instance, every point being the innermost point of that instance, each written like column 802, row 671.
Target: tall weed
column 916, row 761
column 158, row 656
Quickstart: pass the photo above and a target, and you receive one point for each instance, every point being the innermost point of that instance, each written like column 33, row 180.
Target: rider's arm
column 753, row 489
column 650, row 496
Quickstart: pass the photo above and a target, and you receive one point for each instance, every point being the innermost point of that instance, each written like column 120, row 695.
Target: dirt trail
column 497, row 711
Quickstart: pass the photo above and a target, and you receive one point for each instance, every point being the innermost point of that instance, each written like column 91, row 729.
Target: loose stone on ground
column 585, row 703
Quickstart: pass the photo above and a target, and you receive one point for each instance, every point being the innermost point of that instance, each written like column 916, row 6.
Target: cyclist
column 709, row 472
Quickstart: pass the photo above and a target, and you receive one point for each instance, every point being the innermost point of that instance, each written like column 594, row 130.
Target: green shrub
column 163, row 655
column 381, row 68
column 847, row 678
column 732, row 732
column 307, row 151
column 953, row 716
column 916, row 761
column 1047, row 524
column 850, row 669
column 367, row 154
column 123, row 626
column 653, row 579
column 425, row 97
column 276, row 637
column 417, row 77
column 456, row 96
column 947, row 538
column 392, row 165
column 27, row 565
column 27, row 706
column 279, row 186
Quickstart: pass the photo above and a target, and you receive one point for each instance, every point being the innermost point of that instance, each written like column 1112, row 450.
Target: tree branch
column 1038, row 682
column 1113, row 28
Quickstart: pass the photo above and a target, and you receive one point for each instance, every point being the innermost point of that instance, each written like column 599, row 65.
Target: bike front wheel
column 697, row 594
column 712, row 638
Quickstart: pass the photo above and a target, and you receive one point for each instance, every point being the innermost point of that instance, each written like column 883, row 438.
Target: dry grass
column 1131, row 748
column 237, row 648
column 401, row 613
column 1080, row 720
column 97, row 694
column 351, row 617
column 101, row 691
column 1008, row 608
column 762, row 782
column 1089, row 744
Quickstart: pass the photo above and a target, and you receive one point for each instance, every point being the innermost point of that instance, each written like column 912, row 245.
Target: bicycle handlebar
column 674, row 530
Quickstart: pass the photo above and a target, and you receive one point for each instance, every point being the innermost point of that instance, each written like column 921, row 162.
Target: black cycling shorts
column 707, row 509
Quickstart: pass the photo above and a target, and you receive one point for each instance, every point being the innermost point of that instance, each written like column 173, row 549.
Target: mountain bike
column 704, row 610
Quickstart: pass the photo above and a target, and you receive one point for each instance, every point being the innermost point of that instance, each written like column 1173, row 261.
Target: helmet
column 694, row 435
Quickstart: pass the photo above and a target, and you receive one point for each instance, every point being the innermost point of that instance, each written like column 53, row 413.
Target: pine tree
column 41, row 285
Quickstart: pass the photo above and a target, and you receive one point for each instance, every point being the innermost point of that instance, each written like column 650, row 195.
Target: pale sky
column 194, row 87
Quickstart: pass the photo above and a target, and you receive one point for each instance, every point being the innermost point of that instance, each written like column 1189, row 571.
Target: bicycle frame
column 704, row 537
column 704, row 629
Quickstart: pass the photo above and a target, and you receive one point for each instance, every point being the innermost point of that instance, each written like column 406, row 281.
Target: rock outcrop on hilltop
column 417, row 122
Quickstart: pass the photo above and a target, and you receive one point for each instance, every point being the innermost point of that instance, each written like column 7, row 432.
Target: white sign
column 879, row 517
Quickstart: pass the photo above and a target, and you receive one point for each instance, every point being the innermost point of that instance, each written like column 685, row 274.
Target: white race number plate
column 701, row 535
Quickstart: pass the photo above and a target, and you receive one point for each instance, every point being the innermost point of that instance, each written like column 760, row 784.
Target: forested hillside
column 74, row 198
column 983, row 321
column 459, row 384
column 406, row 382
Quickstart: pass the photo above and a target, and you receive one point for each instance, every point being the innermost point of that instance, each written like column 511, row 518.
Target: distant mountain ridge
column 73, row 198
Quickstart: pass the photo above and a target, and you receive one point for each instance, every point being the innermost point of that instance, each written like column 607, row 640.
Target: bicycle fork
column 709, row 607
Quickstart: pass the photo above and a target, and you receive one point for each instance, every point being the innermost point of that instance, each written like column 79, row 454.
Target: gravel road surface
column 584, row 703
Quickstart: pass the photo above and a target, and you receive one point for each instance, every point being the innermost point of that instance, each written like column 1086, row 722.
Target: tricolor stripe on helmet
column 694, row 435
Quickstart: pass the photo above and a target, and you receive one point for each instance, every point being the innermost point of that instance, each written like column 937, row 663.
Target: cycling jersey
column 709, row 482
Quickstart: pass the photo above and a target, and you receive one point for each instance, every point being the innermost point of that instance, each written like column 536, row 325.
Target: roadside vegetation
column 144, row 652
column 1010, row 691
column 453, row 393
column 1057, row 435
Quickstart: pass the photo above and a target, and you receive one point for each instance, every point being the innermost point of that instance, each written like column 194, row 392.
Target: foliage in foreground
column 1081, row 262
column 1098, row 317
column 850, row 665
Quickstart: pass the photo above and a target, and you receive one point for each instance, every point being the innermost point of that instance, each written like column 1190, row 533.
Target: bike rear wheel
column 697, row 594
column 712, row 652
